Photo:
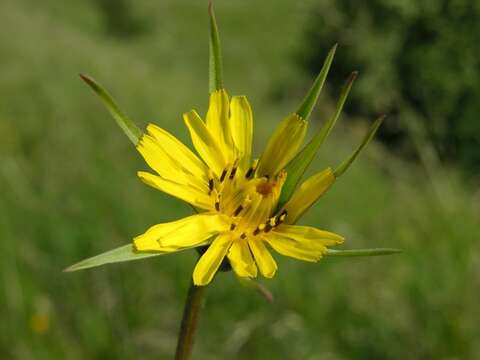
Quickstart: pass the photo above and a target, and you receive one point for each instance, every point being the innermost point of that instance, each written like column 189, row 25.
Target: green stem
column 191, row 311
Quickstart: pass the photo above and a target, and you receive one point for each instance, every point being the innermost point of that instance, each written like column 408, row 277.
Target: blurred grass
column 69, row 191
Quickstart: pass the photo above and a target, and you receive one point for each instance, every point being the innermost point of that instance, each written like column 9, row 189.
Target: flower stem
column 191, row 311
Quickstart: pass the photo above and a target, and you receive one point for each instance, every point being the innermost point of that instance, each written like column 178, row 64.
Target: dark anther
column 243, row 236
column 217, row 206
column 268, row 227
column 249, row 173
column 238, row 210
column 232, row 173
column 256, row 232
column 224, row 173
column 232, row 227
column 210, row 184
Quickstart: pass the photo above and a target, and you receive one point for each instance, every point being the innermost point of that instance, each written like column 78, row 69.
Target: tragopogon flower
column 241, row 217
column 245, row 208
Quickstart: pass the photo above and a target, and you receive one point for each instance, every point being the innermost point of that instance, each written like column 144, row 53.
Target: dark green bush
column 120, row 19
column 418, row 61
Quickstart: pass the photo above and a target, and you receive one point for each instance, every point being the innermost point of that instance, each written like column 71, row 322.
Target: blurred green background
column 70, row 191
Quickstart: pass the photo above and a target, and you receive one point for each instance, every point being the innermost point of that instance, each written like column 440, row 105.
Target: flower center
column 248, row 200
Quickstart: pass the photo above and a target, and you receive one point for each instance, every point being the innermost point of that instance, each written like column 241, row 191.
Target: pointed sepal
column 215, row 60
column 363, row 252
column 121, row 254
column 125, row 123
column 339, row 171
column 311, row 98
column 297, row 167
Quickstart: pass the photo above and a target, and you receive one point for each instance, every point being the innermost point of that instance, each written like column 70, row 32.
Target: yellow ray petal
column 210, row 261
column 282, row 146
column 160, row 160
column 265, row 262
column 205, row 144
column 307, row 194
column 197, row 226
column 241, row 123
column 218, row 123
column 178, row 151
column 309, row 234
column 184, row 192
column 241, row 259
column 188, row 232
column 298, row 250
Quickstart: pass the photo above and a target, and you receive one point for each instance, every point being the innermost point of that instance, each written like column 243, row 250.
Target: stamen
column 238, row 210
column 232, row 173
column 251, row 170
column 271, row 223
column 224, row 173
column 233, row 226
column 217, row 205
column 256, row 232
column 210, row 186
column 243, row 236
column 268, row 227
column 281, row 218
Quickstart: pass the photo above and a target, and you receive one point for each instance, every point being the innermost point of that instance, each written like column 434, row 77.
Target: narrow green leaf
column 363, row 252
column 297, row 167
column 369, row 136
column 127, row 125
column 215, row 61
column 121, row 254
column 310, row 99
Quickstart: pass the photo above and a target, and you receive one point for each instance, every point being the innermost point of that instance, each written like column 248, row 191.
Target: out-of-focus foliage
column 69, row 190
column 419, row 61
column 121, row 20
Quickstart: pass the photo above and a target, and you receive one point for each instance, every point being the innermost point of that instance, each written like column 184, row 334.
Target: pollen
column 265, row 188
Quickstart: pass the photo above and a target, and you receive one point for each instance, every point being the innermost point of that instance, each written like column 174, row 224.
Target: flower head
column 238, row 198
column 245, row 208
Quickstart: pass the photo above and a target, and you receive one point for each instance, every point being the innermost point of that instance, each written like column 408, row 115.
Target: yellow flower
column 244, row 208
column 238, row 198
